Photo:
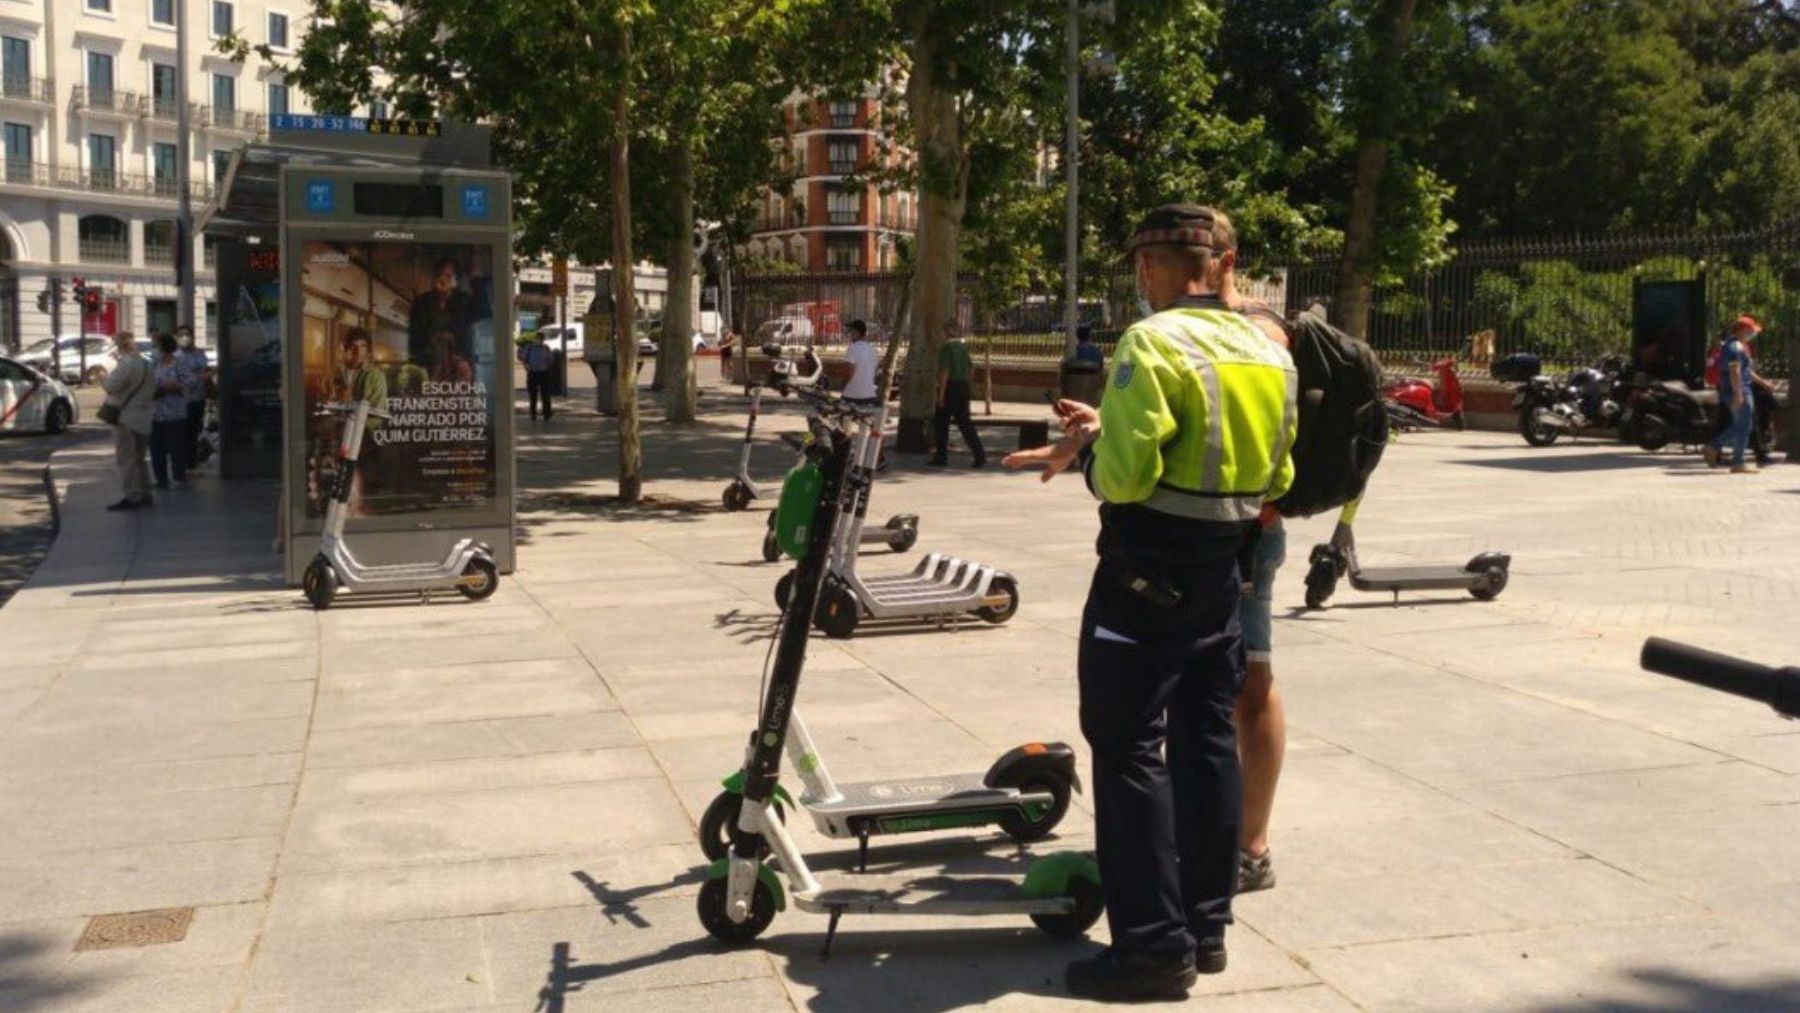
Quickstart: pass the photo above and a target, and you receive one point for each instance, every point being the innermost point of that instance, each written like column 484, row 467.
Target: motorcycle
column 1413, row 403
column 1660, row 412
column 1587, row 399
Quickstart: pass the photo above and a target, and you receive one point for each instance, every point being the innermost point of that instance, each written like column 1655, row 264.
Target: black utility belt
column 1154, row 589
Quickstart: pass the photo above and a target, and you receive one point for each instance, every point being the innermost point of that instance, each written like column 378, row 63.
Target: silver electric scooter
column 742, row 893
column 468, row 568
column 785, row 379
column 941, row 587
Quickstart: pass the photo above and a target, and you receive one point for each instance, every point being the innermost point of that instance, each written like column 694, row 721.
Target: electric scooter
column 940, row 587
column 1779, row 688
column 742, row 892
column 783, row 378
column 1484, row 576
column 899, row 534
column 468, row 568
column 1414, row 402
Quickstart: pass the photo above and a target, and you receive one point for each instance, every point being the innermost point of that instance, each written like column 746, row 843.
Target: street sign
column 321, row 196
column 559, row 277
column 354, row 125
column 475, row 200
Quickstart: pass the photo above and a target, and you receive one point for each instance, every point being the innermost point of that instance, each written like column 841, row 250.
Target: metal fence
column 1566, row 299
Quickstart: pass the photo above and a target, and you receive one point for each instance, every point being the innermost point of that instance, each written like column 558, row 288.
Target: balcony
column 164, row 108
column 159, row 253
column 778, row 223
column 841, row 166
column 838, row 216
column 68, row 177
column 27, row 89
column 116, row 101
column 105, row 251
column 236, row 120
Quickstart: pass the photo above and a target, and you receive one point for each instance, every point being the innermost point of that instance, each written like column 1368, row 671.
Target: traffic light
column 78, row 290
column 90, row 300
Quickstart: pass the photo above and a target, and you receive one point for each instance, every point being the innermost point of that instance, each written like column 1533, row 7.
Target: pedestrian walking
column 955, row 369
column 1737, row 394
column 727, row 342
column 198, row 380
column 1190, row 441
column 538, row 358
column 170, row 381
column 865, row 362
column 129, row 390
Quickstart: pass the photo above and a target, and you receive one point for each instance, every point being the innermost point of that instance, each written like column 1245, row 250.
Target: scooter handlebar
column 1779, row 688
column 346, row 407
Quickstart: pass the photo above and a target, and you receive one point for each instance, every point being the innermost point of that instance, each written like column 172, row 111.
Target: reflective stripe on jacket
column 1198, row 417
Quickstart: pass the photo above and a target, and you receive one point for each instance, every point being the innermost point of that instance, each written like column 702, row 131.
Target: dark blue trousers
column 1156, row 674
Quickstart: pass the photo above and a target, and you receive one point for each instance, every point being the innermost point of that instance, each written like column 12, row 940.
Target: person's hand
column 1054, row 459
column 1079, row 422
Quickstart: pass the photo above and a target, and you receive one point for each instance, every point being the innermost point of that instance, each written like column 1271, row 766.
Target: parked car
column 41, row 357
column 33, row 401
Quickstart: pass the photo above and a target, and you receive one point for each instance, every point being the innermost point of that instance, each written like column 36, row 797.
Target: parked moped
column 1414, row 402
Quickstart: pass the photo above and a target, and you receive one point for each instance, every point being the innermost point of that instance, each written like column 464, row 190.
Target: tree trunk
column 943, row 186
column 677, row 351
column 1350, row 309
column 631, row 451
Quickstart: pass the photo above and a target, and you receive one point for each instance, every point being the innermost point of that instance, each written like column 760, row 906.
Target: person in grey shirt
column 130, row 388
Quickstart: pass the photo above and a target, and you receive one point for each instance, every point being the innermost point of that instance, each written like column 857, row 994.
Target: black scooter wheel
column 1321, row 580
column 998, row 614
column 1090, row 904
column 771, row 547
column 719, row 831
column 718, row 924
column 736, row 497
column 784, row 589
column 1025, row 829
column 319, row 583
column 480, row 579
column 838, row 611
column 904, row 537
column 1491, row 588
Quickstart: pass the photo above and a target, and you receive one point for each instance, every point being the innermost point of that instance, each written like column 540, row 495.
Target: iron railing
column 108, row 100
column 29, row 89
column 233, row 119
column 105, row 251
column 69, row 177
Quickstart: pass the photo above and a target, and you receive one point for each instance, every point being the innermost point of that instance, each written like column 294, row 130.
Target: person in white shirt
column 864, row 362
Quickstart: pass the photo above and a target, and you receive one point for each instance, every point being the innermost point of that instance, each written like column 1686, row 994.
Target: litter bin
column 559, row 373
column 1082, row 380
column 602, row 357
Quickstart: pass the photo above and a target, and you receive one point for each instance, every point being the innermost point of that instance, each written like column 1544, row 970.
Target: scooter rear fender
column 1016, row 768
column 1489, row 560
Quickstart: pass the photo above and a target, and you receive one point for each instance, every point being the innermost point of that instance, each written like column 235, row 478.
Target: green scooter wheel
column 1090, row 904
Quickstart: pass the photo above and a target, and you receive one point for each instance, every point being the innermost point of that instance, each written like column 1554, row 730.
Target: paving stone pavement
column 491, row 806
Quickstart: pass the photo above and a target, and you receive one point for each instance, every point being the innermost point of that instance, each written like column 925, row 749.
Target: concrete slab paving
column 491, row 806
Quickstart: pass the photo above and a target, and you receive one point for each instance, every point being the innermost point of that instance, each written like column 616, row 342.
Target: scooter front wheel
column 839, row 611
column 905, row 535
column 718, row 924
column 1090, row 904
column 771, row 547
column 319, row 583
column 737, row 496
column 479, row 580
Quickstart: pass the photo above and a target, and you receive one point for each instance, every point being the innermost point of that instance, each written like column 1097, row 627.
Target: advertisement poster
column 250, row 290
column 408, row 327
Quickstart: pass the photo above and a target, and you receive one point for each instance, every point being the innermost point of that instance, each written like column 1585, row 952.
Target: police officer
column 1190, row 438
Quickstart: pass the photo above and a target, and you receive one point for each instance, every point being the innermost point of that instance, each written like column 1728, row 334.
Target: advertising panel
column 409, row 327
column 249, row 330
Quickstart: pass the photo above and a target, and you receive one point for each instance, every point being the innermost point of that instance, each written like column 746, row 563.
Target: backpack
column 1713, row 355
column 1343, row 427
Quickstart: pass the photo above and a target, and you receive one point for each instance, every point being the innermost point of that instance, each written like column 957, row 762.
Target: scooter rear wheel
column 1024, row 829
column 718, row 924
column 1090, row 904
column 998, row 614
column 480, row 579
column 319, row 583
column 1496, row 583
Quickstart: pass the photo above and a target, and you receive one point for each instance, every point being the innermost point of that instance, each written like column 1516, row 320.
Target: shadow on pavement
column 1681, row 992
column 1556, row 464
column 22, row 990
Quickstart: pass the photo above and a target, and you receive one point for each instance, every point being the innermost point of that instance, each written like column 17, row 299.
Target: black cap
column 1174, row 225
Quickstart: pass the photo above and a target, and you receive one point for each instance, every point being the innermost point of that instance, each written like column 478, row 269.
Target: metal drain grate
column 136, row 928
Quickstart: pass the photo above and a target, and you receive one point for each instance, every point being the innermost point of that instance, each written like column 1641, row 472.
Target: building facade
column 835, row 216
column 89, row 119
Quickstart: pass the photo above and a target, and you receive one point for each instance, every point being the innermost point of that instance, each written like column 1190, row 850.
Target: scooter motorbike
column 1414, row 402
column 1660, row 412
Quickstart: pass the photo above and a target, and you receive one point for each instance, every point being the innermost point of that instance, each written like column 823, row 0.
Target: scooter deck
column 1422, row 578
column 970, row 897
column 952, row 792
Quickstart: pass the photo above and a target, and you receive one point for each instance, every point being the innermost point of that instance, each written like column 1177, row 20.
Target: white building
column 88, row 121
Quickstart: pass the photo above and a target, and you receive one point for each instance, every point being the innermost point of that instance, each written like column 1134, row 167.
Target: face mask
column 1143, row 301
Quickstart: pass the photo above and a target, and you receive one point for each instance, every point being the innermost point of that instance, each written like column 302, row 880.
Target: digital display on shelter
column 399, row 200
column 408, row 327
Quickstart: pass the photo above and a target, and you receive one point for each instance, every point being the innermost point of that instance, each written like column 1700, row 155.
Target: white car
column 39, row 356
column 32, row 401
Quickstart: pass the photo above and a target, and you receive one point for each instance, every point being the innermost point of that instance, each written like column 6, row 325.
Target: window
column 18, row 153
column 843, row 115
column 102, row 6
column 378, row 110
column 843, row 157
column 221, row 163
column 843, row 256
column 100, row 79
column 102, row 161
column 103, row 237
column 162, row 158
column 278, row 30
column 221, row 18
column 162, row 90
column 843, row 207
column 224, row 95
column 162, row 12
column 278, row 99
column 15, row 65
column 159, row 243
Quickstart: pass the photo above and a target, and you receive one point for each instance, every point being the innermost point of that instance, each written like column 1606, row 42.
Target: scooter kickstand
column 862, row 849
column 837, row 911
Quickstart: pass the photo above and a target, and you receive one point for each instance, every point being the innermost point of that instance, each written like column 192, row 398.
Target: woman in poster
column 443, row 307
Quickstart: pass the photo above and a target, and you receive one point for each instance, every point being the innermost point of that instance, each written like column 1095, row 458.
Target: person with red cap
column 1737, row 395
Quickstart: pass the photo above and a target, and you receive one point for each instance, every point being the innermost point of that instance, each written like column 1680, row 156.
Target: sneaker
column 1112, row 976
column 1255, row 872
column 125, row 504
column 1209, row 956
column 1744, row 469
column 1710, row 455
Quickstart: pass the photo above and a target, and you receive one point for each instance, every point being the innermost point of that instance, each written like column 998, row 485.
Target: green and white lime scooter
column 742, row 894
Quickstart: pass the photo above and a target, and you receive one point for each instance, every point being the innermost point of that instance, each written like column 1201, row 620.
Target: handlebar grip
column 1779, row 689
